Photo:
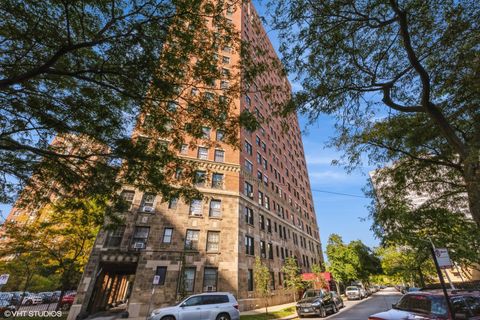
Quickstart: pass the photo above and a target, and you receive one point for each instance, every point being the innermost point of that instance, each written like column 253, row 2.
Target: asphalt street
column 360, row 310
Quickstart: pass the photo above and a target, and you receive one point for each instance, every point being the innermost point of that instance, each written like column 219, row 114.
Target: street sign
column 156, row 279
column 443, row 258
column 4, row 278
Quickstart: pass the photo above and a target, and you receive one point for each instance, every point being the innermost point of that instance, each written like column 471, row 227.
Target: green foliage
column 262, row 279
column 401, row 79
column 293, row 279
column 351, row 262
column 85, row 71
column 399, row 224
column 406, row 265
column 58, row 253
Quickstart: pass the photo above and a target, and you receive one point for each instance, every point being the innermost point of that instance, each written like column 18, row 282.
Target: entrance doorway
column 113, row 287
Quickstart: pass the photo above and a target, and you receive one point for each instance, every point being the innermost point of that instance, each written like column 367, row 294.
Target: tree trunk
column 472, row 182
column 421, row 277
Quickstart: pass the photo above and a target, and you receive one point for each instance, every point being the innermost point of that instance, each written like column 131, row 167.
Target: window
column 219, row 156
column 172, row 203
column 224, row 84
column 267, row 202
column 127, row 196
column 213, row 239
column 270, row 250
column 272, row 280
column 248, row 166
column 248, row 147
column 189, row 281
column 263, row 252
column 257, row 140
column 184, row 149
column 217, row 181
column 196, row 207
column 269, row 225
column 250, row 279
column 161, row 272
column 260, row 198
column 191, row 240
column 210, row 278
column 199, row 179
column 140, row 237
column 227, row 49
column 114, row 237
column 248, row 215
column 264, row 146
column 167, row 235
column 147, row 202
column 220, row 135
column 205, row 133
column 249, row 246
column 248, row 190
column 262, row 222
column 259, row 175
column 225, row 60
column 215, row 208
column 202, row 153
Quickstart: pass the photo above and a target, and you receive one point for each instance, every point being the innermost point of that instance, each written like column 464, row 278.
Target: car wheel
column 168, row 318
column 322, row 313
column 223, row 316
column 334, row 308
column 28, row 303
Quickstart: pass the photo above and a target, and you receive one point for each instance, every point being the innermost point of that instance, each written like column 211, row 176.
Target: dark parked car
column 337, row 299
column 432, row 305
column 49, row 297
column 316, row 302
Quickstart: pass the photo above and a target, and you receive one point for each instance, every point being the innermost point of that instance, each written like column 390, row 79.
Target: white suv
column 204, row 306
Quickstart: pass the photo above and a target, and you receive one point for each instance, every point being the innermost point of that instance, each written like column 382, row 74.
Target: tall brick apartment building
column 257, row 203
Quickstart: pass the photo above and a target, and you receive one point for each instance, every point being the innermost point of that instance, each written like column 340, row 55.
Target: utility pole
column 442, row 281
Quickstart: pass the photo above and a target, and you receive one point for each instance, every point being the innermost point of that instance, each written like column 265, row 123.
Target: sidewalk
column 271, row 309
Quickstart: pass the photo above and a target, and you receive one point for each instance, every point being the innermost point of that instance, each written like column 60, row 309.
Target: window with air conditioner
column 210, row 278
column 140, row 237
column 148, row 202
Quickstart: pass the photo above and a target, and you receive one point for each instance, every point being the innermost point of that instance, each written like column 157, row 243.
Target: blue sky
column 341, row 214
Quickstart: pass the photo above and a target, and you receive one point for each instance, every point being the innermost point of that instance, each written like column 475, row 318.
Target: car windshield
column 423, row 304
column 312, row 293
column 352, row 288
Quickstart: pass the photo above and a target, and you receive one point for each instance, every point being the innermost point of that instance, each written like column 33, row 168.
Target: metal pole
column 442, row 282
column 449, row 281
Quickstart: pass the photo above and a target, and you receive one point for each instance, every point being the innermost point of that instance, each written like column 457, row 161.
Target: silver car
column 204, row 306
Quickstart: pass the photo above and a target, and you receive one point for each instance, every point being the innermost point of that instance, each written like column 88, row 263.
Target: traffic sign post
column 4, row 278
column 442, row 281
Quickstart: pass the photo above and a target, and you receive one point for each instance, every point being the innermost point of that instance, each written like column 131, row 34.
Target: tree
column 89, row 72
column 401, row 78
column 262, row 278
column 406, row 265
column 293, row 279
column 351, row 262
column 397, row 223
column 68, row 231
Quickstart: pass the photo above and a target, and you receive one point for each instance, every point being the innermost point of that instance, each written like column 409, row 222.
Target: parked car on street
column 48, row 297
column 431, row 304
column 5, row 305
column 32, row 299
column 67, row 301
column 354, row 293
column 6, row 296
column 208, row 306
column 316, row 302
column 337, row 299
